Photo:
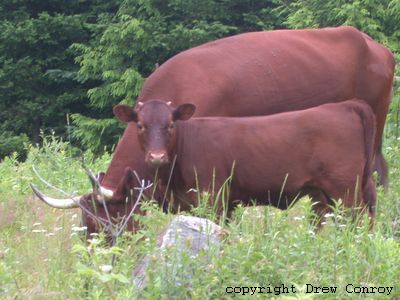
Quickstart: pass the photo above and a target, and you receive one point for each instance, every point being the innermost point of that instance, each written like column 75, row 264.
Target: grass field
column 43, row 257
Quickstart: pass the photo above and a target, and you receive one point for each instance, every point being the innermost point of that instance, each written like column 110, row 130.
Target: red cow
column 263, row 73
column 325, row 152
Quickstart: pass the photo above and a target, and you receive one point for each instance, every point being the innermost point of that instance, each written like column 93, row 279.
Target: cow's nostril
column 157, row 158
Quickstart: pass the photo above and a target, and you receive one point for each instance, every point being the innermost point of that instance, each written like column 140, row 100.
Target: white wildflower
column 79, row 229
column 39, row 230
column 106, row 268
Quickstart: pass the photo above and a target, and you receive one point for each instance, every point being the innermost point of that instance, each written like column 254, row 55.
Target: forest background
column 65, row 63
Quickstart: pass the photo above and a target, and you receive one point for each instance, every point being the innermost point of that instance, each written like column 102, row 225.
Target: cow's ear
column 125, row 113
column 184, row 112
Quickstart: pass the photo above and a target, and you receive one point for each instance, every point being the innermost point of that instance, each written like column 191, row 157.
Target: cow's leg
column 381, row 167
column 321, row 206
column 218, row 191
column 220, row 205
column 360, row 201
column 369, row 197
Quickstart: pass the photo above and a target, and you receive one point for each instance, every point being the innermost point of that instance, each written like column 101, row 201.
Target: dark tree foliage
column 378, row 18
column 38, row 75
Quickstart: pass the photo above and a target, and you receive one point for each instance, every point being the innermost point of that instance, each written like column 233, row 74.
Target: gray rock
column 184, row 236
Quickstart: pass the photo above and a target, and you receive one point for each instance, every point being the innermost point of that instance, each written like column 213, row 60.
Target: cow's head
column 104, row 210
column 155, row 121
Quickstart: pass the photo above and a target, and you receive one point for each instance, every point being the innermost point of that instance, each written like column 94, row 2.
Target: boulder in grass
column 184, row 238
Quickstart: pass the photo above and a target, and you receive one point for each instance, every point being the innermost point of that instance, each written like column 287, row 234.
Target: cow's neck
column 187, row 133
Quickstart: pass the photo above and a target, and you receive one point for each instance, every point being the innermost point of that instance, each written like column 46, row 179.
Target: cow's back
column 301, row 150
column 268, row 72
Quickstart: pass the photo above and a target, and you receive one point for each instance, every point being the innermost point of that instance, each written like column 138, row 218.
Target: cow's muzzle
column 157, row 158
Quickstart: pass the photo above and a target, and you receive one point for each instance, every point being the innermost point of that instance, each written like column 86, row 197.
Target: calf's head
column 155, row 122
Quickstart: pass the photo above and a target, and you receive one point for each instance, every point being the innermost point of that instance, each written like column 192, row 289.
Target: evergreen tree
column 379, row 18
column 38, row 76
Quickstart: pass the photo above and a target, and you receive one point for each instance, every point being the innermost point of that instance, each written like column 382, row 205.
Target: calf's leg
column 369, row 194
column 321, row 206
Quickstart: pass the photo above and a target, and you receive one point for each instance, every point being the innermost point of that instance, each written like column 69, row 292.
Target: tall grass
column 43, row 257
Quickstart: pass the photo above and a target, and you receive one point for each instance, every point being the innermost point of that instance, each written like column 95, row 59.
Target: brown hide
column 325, row 152
column 96, row 219
column 263, row 73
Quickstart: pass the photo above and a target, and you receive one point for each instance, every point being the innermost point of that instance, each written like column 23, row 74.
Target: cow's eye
column 139, row 126
column 171, row 126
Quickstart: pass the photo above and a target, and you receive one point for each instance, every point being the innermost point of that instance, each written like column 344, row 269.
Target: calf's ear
column 125, row 113
column 184, row 112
